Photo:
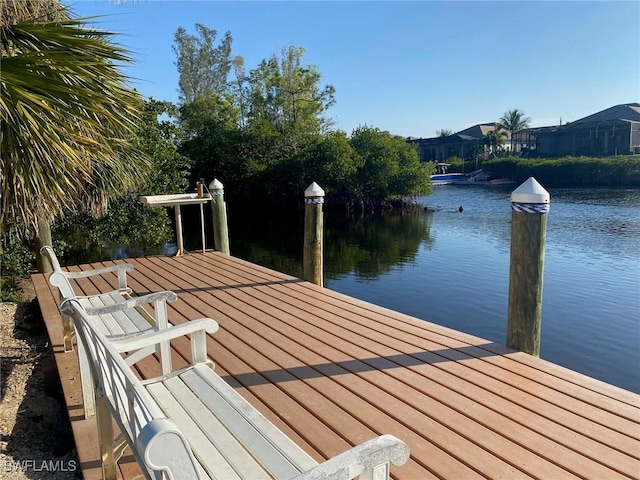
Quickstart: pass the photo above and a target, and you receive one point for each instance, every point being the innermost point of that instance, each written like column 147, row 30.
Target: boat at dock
column 477, row 177
column 447, row 178
column 443, row 177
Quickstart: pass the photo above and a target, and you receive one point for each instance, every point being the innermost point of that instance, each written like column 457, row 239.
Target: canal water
column 452, row 268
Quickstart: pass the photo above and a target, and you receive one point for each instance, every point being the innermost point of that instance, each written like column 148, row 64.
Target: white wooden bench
column 119, row 314
column 191, row 424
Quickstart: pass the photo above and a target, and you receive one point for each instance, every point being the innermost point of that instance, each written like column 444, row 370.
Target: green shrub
column 621, row 171
column 16, row 261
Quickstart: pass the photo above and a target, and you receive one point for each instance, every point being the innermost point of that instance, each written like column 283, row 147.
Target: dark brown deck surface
column 333, row 371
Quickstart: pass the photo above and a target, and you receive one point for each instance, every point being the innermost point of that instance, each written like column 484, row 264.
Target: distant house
column 613, row 131
column 461, row 144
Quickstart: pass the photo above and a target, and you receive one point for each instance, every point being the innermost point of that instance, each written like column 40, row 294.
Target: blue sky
column 410, row 67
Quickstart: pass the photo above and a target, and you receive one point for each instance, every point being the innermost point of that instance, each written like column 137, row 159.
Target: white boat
column 477, row 177
column 442, row 177
column 447, row 178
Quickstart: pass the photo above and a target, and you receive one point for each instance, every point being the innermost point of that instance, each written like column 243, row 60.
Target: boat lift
column 176, row 201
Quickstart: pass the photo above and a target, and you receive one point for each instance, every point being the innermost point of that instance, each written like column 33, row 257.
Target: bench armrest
column 121, row 268
column 141, row 346
column 164, row 448
column 125, row 267
column 60, row 278
column 148, row 339
column 166, row 296
column 361, row 459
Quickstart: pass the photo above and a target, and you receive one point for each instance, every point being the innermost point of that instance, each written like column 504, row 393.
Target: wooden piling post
column 530, row 206
column 44, row 239
column 219, row 215
column 177, row 211
column 200, row 193
column 312, row 254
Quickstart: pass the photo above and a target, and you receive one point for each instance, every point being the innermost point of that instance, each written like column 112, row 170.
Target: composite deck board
column 462, row 356
column 327, row 389
column 485, row 434
column 563, row 432
column 332, row 371
column 326, row 411
column 627, row 396
column 565, row 456
column 214, row 350
column 344, row 303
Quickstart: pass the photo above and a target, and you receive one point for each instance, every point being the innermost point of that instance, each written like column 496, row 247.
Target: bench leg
column 379, row 472
column 165, row 347
column 67, row 333
column 88, row 389
column 105, row 433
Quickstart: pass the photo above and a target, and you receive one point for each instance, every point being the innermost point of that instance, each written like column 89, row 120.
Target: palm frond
column 66, row 114
column 15, row 11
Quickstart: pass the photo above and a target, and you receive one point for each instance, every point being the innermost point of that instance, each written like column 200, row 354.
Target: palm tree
column 492, row 144
column 494, row 140
column 66, row 114
column 512, row 121
column 444, row 132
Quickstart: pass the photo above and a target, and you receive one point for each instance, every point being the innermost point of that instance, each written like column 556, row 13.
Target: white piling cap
column 530, row 192
column 314, row 190
column 216, row 185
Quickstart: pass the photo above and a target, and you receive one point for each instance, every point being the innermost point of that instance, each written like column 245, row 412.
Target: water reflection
column 370, row 246
column 366, row 246
column 81, row 252
column 595, row 223
column 267, row 237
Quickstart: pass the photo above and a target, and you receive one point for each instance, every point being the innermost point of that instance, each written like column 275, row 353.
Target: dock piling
column 44, row 238
column 530, row 206
column 313, row 226
column 219, row 215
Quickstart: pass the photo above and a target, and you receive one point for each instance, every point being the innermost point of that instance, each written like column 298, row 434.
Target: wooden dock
column 332, row 371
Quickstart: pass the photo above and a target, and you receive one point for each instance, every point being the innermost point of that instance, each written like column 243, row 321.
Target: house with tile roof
column 460, row 144
column 613, row 131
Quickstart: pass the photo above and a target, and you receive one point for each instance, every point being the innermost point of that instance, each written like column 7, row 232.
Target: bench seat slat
column 248, row 426
column 210, row 458
column 280, row 455
column 237, row 455
column 109, row 320
column 124, row 321
column 92, row 302
column 113, row 321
